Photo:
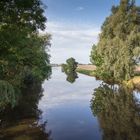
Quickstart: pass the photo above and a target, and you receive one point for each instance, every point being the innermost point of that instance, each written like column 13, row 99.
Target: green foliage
column 104, row 75
column 22, row 14
column 64, row 68
column 23, row 57
column 117, row 52
column 70, row 69
column 95, row 58
column 71, row 77
column 70, row 66
column 7, row 94
column 86, row 72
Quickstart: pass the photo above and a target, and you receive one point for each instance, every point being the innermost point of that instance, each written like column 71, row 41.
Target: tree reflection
column 71, row 77
column 118, row 112
column 21, row 121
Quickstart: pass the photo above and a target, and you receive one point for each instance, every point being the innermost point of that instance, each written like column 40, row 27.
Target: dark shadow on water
column 21, row 122
column 118, row 112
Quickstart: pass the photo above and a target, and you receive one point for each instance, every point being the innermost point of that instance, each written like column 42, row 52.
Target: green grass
column 132, row 83
column 86, row 72
column 137, row 73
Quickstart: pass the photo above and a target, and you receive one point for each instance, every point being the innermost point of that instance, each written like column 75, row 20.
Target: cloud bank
column 71, row 40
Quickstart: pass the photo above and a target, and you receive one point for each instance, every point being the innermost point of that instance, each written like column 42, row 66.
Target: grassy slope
column 86, row 69
column 86, row 72
column 89, row 70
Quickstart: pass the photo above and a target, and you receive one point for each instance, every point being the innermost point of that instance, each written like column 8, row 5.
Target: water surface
column 73, row 107
column 66, row 108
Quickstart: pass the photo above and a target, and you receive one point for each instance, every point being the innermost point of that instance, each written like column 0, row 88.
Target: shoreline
column 90, row 71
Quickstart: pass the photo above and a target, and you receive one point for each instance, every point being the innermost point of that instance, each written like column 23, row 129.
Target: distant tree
column 118, row 50
column 70, row 65
column 70, row 69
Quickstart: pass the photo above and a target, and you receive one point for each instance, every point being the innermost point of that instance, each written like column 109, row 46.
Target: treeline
column 118, row 51
column 23, row 51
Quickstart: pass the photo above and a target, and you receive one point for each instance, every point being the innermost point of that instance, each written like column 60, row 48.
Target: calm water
column 69, row 108
column 66, row 108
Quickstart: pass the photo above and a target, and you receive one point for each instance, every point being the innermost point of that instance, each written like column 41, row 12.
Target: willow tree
column 118, row 50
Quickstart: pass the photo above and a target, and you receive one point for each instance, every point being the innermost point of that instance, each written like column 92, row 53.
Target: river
column 79, row 109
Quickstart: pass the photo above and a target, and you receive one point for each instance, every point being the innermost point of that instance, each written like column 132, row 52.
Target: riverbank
column 86, row 69
column 90, row 71
column 133, row 83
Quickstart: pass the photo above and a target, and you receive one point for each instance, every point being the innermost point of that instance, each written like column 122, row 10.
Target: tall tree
column 23, row 56
column 118, row 50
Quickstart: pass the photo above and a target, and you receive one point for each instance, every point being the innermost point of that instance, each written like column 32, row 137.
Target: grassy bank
column 132, row 83
column 86, row 72
column 92, row 74
column 86, row 69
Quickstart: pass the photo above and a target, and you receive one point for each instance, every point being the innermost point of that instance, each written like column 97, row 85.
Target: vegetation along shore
column 90, row 70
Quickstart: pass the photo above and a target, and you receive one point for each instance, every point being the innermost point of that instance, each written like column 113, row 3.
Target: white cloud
column 65, row 32
column 80, row 8
column 71, row 40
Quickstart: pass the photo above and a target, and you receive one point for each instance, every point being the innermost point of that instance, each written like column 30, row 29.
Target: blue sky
column 75, row 25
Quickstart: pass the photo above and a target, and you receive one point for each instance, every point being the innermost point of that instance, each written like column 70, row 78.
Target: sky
column 75, row 26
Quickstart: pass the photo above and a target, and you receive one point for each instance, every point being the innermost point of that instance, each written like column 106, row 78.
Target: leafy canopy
column 118, row 50
column 24, row 54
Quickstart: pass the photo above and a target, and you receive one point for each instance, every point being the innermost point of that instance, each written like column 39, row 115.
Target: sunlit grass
column 86, row 72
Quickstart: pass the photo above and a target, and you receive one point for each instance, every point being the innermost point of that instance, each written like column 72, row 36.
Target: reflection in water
column 71, row 77
column 118, row 112
column 71, row 74
column 20, row 123
column 66, row 110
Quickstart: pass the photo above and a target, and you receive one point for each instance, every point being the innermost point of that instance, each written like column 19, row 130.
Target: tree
column 70, row 65
column 70, row 69
column 118, row 50
column 95, row 58
column 22, row 14
column 23, row 56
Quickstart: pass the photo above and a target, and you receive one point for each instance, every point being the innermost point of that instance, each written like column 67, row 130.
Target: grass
column 86, row 72
column 132, row 83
